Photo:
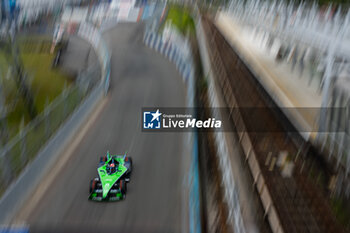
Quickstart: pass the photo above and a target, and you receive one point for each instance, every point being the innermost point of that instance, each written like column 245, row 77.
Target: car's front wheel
column 93, row 184
column 103, row 159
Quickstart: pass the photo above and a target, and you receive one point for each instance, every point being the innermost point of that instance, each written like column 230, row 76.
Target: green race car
column 114, row 172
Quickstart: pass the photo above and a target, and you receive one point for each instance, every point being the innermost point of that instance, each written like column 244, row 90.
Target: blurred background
column 74, row 76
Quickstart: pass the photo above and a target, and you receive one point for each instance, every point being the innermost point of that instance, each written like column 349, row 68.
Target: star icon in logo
column 156, row 115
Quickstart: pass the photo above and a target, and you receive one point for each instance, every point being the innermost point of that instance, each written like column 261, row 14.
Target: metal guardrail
column 24, row 147
column 17, row 193
column 18, row 152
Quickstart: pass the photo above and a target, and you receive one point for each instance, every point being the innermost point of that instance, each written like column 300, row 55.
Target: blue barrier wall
column 186, row 68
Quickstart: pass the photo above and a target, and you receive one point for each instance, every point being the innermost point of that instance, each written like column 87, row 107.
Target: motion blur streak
column 139, row 77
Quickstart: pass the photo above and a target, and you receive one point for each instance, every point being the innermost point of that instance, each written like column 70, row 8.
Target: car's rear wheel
column 122, row 186
column 128, row 164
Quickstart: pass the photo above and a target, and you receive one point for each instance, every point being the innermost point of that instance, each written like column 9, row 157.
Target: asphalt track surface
column 155, row 202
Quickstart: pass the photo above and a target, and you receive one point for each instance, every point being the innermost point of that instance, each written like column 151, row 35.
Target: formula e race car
column 114, row 172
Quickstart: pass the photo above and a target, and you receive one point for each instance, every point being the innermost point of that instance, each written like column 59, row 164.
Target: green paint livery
column 107, row 187
column 109, row 180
